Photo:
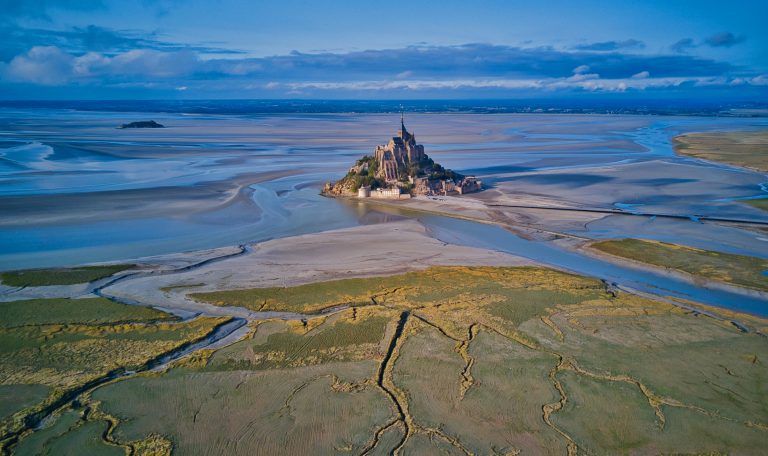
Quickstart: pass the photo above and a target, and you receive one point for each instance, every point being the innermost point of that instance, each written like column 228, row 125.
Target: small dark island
column 142, row 124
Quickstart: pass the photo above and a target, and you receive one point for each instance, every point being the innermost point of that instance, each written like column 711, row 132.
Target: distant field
column 49, row 347
column 59, row 276
column 462, row 360
column 70, row 311
column 758, row 203
column 748, row 149
column 740, row 270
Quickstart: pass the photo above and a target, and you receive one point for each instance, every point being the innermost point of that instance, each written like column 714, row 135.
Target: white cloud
column 591, row 83
column 583, row 77
column 46, row 65
column 581, row 69
column 49, row 65
column 581, row 73
column 146, row 62
column 476, row 67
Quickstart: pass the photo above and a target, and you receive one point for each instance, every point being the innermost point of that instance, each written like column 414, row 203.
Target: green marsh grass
column 59, row 276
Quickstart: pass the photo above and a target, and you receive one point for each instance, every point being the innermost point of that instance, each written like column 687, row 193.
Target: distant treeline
column 487, row 106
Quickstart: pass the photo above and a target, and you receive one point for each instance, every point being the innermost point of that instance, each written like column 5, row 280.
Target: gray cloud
column 611, row 45
column 683, row 45
column 17, row 40
column 724, row 39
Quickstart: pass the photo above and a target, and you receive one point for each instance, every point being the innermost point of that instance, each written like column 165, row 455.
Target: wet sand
column 141, row 203
column 354, row 252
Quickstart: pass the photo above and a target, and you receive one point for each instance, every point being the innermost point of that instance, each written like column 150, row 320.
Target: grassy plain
column 15, row 397
column 758, row 203
column 748, row 149
column 426, row 287
column 742, row 270
column 463, row 361
column 302, row 299
column 51, row 347
column 89, row 311
column 70, row 435
column 60, row 276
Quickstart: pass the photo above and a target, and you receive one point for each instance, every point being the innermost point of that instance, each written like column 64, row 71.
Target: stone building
column 398, row 170
column 386, row 193
column 397, row 154
column 469, row 184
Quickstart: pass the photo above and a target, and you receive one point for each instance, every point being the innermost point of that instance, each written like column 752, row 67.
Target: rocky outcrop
column 142, row 124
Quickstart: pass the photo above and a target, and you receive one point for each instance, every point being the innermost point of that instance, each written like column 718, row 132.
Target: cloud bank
column 611, row 45
column 96, row 57
column 718, row 40
column 724, row 39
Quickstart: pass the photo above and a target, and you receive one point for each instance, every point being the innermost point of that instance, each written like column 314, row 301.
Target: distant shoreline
column 457, row 106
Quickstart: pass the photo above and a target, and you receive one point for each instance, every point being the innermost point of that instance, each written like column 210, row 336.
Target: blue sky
column 70, row 49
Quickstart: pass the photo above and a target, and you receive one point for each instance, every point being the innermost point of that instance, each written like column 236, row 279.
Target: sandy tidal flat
column 76, row 190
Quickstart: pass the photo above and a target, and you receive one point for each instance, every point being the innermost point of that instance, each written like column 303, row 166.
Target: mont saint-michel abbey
column 398, row 170
column 400, row 152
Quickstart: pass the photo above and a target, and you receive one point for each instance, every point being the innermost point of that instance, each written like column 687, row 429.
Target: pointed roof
column 403, row 132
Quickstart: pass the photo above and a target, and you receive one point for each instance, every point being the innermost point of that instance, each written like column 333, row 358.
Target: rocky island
column 400, row 169
column 142, row 124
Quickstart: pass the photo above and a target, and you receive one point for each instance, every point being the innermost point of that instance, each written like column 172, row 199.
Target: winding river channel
column 474, row 234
